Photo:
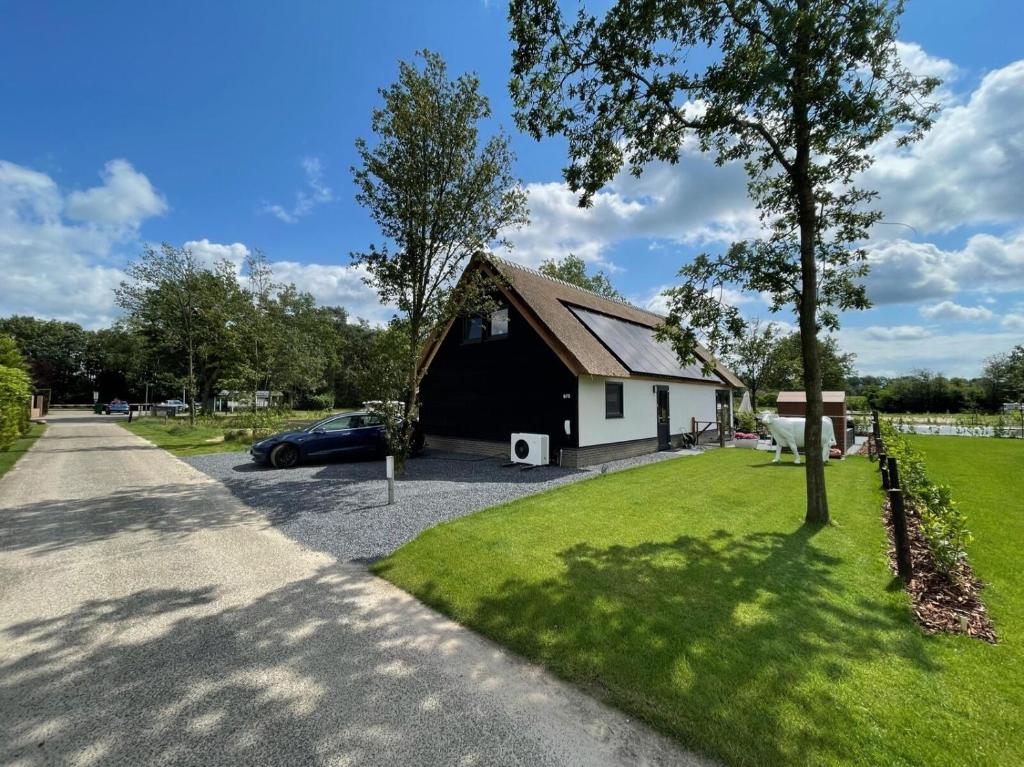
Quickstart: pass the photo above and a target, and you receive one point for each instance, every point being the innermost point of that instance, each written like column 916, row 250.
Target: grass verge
column 690, row 594
column 19, row 447
column 179, row 439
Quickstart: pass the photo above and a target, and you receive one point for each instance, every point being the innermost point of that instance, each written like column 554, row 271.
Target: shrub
column 746, row 422
column 15, row 390
column 943, row 523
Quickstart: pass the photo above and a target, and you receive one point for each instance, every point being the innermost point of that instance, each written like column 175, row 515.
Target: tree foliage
column 753, row 358
column 439, row 195
column 15, row 390
column 1006, row 373
column 183, row 309
column 799, row 91
column 55, row 354
column 787, row 364
column 573, row 269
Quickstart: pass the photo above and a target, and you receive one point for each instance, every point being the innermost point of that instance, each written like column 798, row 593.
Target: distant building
column 230, row 401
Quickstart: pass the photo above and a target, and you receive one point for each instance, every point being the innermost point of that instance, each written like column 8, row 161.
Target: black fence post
column 894, row 474
column 883, row 465
column 899, row 535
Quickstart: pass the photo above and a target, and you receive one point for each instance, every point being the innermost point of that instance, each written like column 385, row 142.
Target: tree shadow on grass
column 730, row 643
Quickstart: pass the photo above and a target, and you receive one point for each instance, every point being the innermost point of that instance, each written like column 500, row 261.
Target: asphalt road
column 148, row 616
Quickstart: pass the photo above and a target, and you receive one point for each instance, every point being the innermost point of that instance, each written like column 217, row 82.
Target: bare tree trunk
column 817, row 499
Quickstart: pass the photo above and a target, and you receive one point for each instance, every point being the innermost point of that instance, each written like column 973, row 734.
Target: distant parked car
column 179, row 406
column 339, row 436
column 117, row 406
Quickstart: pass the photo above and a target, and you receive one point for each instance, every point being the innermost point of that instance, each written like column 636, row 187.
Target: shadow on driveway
column 321, row 671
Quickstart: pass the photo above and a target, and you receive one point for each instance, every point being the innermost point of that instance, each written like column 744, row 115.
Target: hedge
column 15, row 392
column 943, row 523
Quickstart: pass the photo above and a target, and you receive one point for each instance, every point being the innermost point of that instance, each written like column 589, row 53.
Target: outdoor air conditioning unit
column 530, row 449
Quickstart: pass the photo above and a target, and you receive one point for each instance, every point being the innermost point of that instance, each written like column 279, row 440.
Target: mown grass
column 690, row 594
column 178, row 438
column 19, row 447
column 987, row 477
column 217, row 433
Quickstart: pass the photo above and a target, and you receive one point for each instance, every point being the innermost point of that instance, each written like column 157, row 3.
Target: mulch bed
column 942, row 603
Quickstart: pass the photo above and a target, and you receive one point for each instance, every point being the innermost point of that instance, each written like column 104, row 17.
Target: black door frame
column 664, row 429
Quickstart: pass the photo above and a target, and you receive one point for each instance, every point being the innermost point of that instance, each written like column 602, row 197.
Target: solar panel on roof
column 636, row 347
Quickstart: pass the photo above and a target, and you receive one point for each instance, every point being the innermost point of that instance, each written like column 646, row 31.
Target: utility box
column 794, row 404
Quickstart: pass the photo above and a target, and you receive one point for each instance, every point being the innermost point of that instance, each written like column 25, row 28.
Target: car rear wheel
column 284, row 456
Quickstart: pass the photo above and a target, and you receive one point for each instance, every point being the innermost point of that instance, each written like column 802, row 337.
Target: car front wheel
column 284, row 456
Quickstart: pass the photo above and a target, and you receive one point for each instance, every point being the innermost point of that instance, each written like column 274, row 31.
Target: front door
column 664, row 428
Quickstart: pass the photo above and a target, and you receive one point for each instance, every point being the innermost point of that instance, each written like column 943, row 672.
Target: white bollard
column 391, row 479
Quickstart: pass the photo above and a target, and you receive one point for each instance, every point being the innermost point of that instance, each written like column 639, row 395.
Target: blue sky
column 231, row 126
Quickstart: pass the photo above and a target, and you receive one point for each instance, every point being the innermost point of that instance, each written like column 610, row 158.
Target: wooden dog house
column 794, row 403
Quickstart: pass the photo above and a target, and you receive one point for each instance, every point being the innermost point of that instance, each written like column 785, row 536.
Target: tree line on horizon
column 198, row 329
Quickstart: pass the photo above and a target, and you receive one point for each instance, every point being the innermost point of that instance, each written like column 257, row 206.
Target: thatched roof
column 547, row 303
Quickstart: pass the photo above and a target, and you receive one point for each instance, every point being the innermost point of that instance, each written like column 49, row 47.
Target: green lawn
column 208, row 435
column 987, row 477
column 19, row 447
column 690, row 594
column 178, row 438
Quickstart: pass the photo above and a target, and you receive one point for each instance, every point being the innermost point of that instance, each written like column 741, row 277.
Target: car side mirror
column 319, row 431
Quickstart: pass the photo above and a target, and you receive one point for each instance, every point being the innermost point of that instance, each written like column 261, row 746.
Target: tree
column 573, row 269
column 797, row 90
column 1006, row 372
column 753, row 358
column 55, row 352
column 10, row 357
column 184, row 309
column 438, row 197
column 787, row 367
column 119, row 362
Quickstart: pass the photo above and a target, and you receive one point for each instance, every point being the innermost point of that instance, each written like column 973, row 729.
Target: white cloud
column 1013, row 321
column 335, row 285
column 56, row 267
column 897, row 333
column 124, row 198
column 965, row 170
column 907, row 272
column 954, row 354
column 948, row 310
column 922, row 64
column 210, row 253
column 316, row 193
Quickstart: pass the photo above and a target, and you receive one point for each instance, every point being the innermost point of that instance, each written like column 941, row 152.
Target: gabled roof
column 548, row 303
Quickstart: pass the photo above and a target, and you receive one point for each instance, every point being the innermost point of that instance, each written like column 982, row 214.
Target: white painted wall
column 639, row 420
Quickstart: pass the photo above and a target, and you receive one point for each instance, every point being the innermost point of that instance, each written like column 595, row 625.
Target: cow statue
column 790, row 432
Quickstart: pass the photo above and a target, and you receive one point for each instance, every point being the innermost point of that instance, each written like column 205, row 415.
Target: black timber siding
column 490, row 389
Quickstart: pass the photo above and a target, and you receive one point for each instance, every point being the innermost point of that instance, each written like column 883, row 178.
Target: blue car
column 339, row 436
column 117, row 406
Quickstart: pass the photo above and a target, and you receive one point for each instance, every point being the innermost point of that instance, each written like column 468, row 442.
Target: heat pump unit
column 530, row 449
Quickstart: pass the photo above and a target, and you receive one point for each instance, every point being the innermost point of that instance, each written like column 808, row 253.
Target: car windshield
column 322, row 423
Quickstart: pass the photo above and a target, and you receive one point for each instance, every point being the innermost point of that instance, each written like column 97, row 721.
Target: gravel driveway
column 341, row 508
column 148, row 617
